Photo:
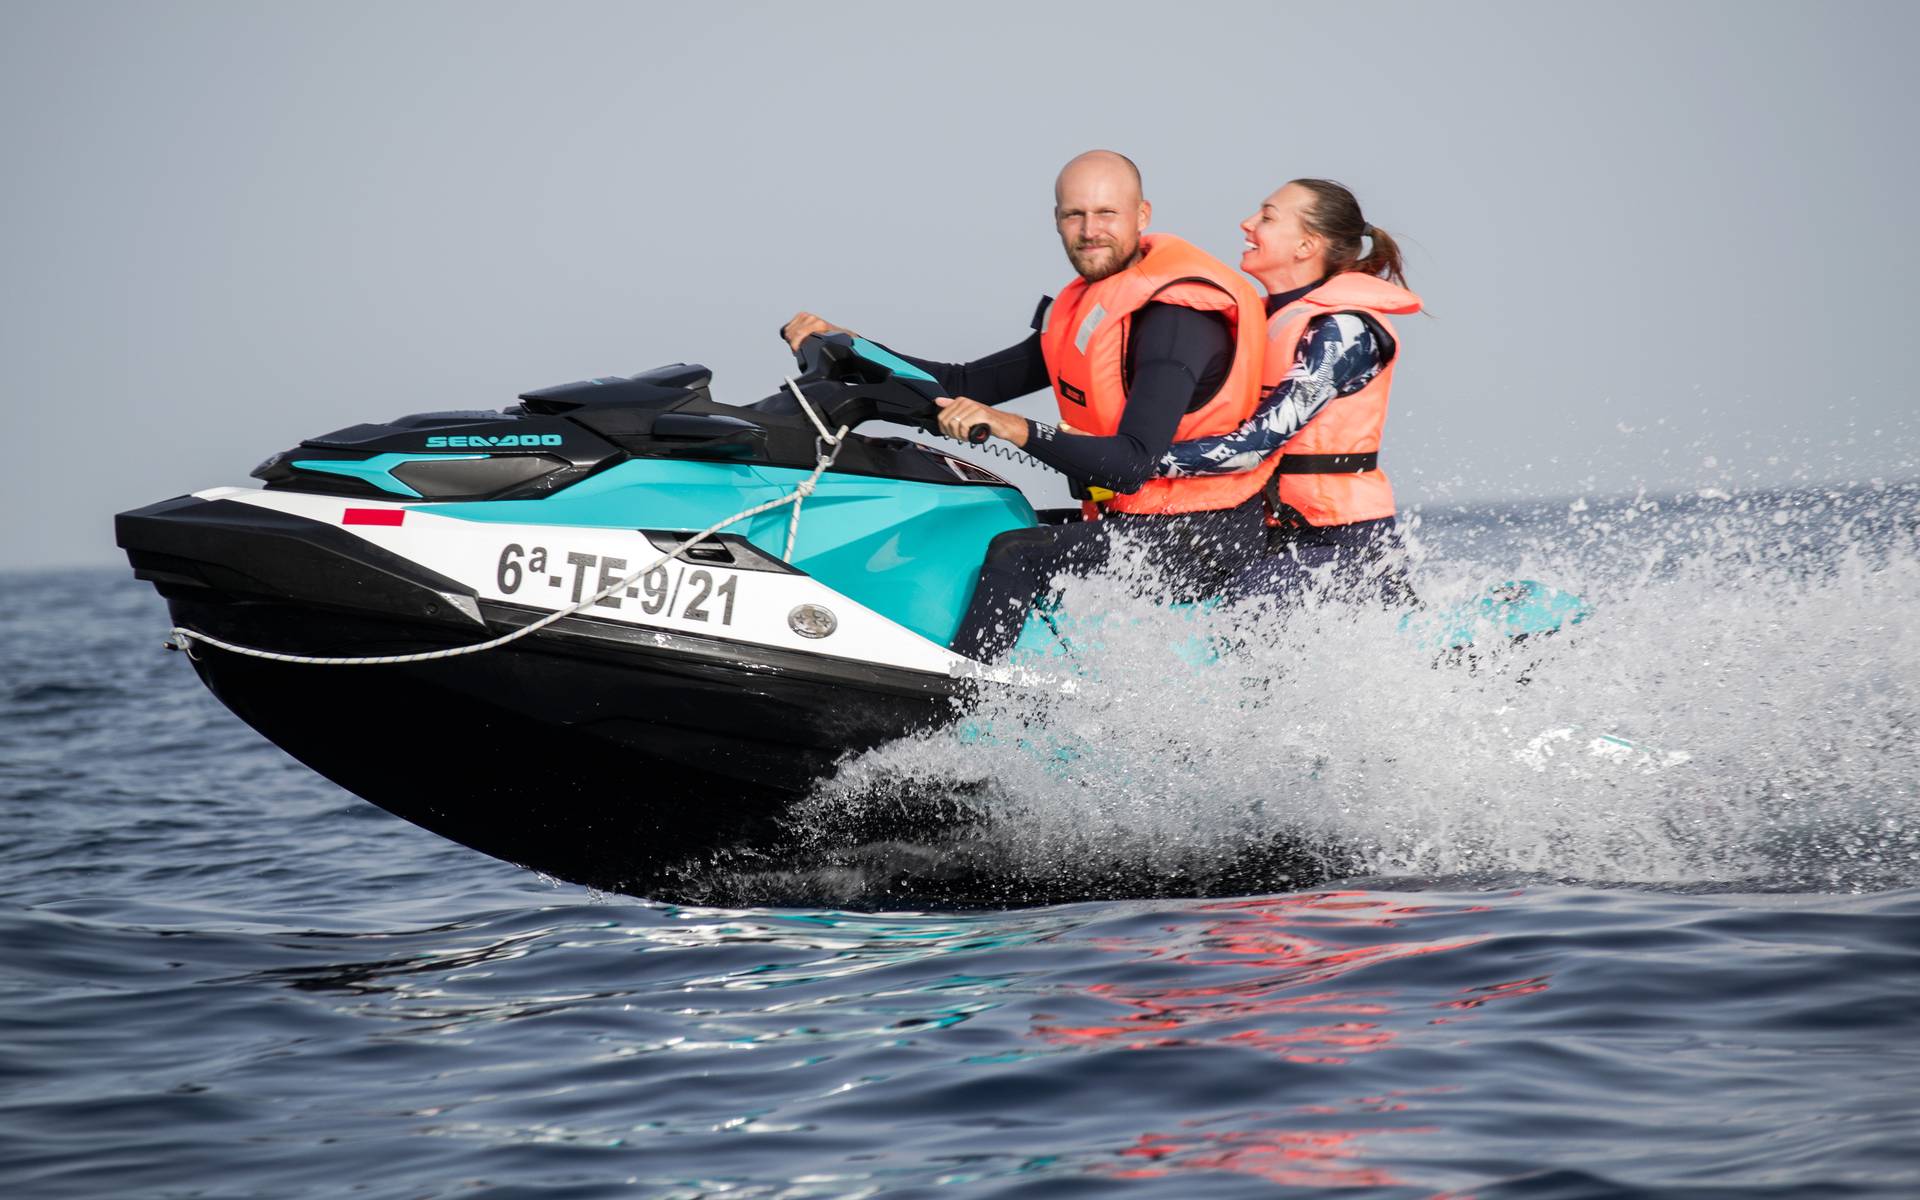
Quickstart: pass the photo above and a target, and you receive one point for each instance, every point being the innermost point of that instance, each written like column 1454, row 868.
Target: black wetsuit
column 1177, row 358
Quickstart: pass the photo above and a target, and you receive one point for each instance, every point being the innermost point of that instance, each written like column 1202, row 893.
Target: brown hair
column 1335, row 216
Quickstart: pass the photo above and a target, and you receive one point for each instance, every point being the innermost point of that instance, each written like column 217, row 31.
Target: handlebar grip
column 978, row 435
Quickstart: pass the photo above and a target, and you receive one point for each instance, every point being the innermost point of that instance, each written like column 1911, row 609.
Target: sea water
column 1628, row 912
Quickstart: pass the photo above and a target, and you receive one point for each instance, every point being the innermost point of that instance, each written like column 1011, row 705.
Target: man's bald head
column 1100, row 213
column 1099, row 166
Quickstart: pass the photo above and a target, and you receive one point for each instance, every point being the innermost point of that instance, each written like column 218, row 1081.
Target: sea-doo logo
column 475, row 441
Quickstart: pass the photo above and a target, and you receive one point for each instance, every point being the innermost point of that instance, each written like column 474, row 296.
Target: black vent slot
column 714, row 550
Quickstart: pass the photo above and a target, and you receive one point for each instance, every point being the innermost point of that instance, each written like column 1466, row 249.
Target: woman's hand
column 959, row 414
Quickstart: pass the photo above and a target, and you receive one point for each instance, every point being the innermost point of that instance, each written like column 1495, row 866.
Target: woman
column 1332, row 280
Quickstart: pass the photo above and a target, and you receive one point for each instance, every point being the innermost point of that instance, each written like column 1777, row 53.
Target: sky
column 1663, row 246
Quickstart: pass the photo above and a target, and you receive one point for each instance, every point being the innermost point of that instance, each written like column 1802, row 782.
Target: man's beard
column 1097, row 262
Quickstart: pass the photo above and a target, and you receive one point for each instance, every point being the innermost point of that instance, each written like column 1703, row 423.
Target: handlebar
column 898, row 390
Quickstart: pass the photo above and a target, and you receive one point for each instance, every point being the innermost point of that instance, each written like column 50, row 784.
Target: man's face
column 1100, row 215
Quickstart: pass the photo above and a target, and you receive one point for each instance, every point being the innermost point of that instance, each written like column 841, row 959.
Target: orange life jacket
column 1084, row 342
column 1329, row 473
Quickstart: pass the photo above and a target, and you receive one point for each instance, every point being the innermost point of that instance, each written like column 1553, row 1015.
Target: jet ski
column 619, row 625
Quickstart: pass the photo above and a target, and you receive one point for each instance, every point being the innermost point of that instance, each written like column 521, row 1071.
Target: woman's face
column 1275, row 238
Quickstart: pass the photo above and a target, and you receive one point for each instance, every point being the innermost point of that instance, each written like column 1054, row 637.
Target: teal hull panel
column 909, row 551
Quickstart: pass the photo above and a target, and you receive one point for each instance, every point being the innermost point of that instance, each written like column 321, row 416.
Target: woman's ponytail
column 1335, row 216
column 1383, row 257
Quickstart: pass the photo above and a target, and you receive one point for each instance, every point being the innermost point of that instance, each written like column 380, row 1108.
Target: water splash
column 1738, row 712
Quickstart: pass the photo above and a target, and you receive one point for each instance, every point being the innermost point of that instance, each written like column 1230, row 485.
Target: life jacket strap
column 1093, row 498
column 1327, row 464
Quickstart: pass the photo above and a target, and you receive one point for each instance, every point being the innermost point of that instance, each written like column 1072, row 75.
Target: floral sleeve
column 1338, row 355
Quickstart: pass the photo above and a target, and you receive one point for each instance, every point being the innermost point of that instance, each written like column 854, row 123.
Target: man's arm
column 1180, row 357
column 1338, row 355
column 1004, row 375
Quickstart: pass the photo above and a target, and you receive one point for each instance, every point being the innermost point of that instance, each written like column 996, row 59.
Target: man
column 1154, row 342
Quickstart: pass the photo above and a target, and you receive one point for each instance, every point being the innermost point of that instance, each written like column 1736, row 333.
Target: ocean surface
column 1634, row 912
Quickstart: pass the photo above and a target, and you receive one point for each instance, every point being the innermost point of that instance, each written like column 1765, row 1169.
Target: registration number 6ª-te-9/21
column 690, row 593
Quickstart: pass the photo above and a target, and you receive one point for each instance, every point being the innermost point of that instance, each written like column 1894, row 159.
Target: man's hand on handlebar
column 804, row 325
column 958, row 415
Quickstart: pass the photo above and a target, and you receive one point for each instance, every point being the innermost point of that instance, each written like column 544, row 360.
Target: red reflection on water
column 1500, row 991
column 1286, row 937
column 1268, row 962
column 1290, row 1157
column 1489, row 993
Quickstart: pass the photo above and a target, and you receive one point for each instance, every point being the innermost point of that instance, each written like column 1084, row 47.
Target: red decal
column 374, row 516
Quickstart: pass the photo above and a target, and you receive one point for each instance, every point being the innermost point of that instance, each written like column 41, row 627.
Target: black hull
column 594, row 751
column 574, row 752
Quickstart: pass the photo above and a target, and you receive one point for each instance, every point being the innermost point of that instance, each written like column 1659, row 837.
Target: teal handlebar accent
column 892, row 362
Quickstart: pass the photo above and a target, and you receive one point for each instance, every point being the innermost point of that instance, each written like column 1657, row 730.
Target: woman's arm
column 1338, row 355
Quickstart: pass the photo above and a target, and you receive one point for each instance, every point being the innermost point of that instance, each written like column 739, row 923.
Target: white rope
column 831, row 439
column 805, row 489
column 800, row 493
column 182, row 638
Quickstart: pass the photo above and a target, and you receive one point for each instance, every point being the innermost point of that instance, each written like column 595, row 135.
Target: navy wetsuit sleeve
column 1155, row 403
column 1337, row 355
column 1179, row 357
column 1004, row 375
